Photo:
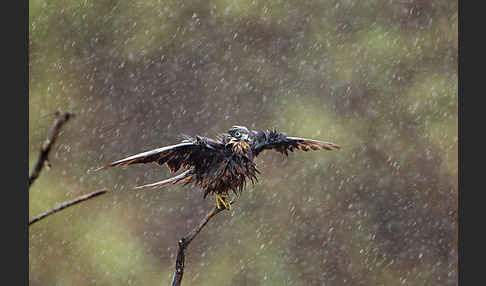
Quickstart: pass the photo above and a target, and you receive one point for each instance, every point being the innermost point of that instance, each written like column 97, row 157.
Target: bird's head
column 239, row 138
column 239, row 133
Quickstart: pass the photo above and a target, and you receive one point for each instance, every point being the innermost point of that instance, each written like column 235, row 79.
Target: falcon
column 220, row 166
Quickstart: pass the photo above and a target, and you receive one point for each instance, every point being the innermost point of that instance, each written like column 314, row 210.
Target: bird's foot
column 221, row 200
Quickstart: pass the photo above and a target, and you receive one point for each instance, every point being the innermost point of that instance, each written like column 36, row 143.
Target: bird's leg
column 221, row 198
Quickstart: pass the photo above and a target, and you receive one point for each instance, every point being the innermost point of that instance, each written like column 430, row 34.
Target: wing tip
column 328, row 145
column 154, row 186
column 332, row 146
column 113, row 164
column 93, row 170
column 146, row 187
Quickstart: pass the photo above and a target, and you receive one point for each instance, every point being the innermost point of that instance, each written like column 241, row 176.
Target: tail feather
column 183, row 177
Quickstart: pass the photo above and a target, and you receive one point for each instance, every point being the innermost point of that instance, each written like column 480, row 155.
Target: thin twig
column 61, row 118
column 184, row 242
column 68, row 204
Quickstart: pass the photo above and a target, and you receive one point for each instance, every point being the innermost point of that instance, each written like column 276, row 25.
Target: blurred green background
column 377, row 77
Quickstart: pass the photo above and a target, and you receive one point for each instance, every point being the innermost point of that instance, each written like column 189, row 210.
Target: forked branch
column 184, row 242
column 61, row 118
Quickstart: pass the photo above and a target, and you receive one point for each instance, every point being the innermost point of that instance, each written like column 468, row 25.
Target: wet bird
column 220, row 166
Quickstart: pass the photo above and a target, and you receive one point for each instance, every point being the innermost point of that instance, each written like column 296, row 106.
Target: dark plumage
column 223, row 165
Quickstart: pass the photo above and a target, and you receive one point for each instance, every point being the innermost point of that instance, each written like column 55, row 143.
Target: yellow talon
column 218, row 198
column 222, row 199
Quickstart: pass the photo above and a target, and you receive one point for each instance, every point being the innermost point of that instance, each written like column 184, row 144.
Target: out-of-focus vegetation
column 377, row 77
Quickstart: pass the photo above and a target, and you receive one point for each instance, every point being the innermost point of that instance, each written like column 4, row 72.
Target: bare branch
column 61, row 118
column 184, row 242
column 68, row 204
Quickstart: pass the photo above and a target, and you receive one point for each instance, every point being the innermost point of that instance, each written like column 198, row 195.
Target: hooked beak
column 245, row 137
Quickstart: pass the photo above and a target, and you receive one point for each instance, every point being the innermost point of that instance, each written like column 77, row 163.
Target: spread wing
column 273, row 140
column 193, row 151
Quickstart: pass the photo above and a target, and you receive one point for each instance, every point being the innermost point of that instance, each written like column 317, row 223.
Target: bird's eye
column 237, row 134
